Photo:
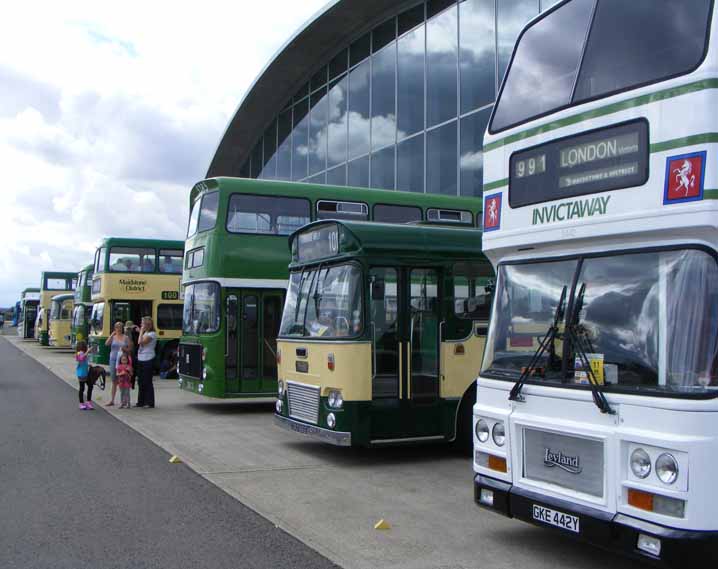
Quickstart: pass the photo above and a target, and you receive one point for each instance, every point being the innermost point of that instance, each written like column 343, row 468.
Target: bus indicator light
column 497, row 463
column 641, row 500
column 330, row 362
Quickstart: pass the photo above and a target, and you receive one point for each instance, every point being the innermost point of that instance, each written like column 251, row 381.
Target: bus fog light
column 200, row 388
column 498, row 433
column 331, row 421
column 335, row 399
column 667, row 468
column 204, row 373
column 640, row 463
column 278, row 406
column 280, row 388
column 179, row 382
column 482, row 430
column 649, row 544
column 486, row 497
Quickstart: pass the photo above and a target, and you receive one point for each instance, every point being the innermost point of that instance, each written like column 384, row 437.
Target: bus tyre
column 464, row 421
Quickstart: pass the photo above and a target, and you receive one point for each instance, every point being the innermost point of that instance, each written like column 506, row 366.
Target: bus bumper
column 337, row 438
column 614, row 532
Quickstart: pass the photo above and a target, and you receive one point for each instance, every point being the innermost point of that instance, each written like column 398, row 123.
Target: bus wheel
column 464, row 441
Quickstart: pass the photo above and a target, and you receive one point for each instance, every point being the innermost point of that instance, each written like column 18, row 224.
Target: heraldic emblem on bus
column 492, row 212
column 684, row 177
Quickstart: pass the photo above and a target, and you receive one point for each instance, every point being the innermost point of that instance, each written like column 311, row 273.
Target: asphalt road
column 81, row 489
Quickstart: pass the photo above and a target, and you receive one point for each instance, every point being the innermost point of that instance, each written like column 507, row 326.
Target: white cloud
column 109, row 112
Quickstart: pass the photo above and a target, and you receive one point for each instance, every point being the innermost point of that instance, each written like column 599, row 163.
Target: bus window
column 65, row 310
column 78, row 316
column 97, row 317
column 208, row 211
column 56, row 284
column 342, row 210
column 397, row 213
column 100, row 260
column 449, row 216
column 193, row 218
column 169, row 316
column 132, row 260
column 266, row 214
column 473, row 285
column 171, row 261
column 201, row 313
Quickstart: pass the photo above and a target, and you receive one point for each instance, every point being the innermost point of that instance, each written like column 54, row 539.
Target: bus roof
column 304, row 190
column 391, row 240
column 140, row 242
column 87, row 269
column 31, row 289
column 58, row 275
column 62, row 297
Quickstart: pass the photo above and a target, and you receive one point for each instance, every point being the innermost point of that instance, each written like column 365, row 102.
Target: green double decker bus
column 29, row 302
column 235, row 272
column 83, row 306
column 382, row 333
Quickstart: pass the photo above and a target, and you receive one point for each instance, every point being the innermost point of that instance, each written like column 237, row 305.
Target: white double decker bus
column 597, row 401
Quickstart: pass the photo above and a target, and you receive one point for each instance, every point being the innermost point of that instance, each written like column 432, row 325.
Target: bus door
column 124, row 310
column 29, row 320
column 404, row 326
column 253, row 318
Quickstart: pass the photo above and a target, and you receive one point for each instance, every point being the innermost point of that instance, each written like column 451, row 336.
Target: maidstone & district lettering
column 570, row 210
column 133, row 285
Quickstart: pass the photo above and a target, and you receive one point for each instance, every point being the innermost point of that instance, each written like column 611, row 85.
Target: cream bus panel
column 128, row 287
column 352, row 371
column 460, row 364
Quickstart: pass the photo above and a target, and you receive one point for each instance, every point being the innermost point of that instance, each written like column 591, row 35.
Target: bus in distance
column 235, row 272
column 61, row 320
column 82, row 306
column 382, row 333
column 132, row 278
column 597, row 400
column 51, row 284
column 29, row 301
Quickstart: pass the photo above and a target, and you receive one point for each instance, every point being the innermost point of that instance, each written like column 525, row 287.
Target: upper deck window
column 397, row 213
column 132, row 260
column 171, row 261
column 100, row 256
column 557, row 63
column 194, row 218
column 208, row 211
column 266, row 215
column 55, row 283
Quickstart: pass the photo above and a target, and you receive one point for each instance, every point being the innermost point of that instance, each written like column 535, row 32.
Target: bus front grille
column 190, row 360
column 303, row 402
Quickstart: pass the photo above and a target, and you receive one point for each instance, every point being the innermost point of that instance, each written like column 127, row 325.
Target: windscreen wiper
column 548, row 340
column 578, row 340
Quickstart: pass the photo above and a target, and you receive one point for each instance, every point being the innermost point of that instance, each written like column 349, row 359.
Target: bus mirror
column 377, row 290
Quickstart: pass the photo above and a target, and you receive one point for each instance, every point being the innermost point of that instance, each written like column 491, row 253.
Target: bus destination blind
column 602, row 160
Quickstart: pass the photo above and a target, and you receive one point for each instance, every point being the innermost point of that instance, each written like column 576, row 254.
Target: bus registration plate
column 554, row 518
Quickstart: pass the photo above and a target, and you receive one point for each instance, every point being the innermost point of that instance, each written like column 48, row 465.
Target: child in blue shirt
column 83, row 369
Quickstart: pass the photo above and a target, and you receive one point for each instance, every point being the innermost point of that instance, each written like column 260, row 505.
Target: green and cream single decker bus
column 382, row 333
column 133, row 278
column 61, row 307
column 51, row 284
column 235, row 272
column 83, row 306
column 29, row 301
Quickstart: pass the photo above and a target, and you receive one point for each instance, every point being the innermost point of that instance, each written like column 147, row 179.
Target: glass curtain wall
column 404, row 106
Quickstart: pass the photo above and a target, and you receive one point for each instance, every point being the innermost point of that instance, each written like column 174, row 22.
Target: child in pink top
column 124, row 380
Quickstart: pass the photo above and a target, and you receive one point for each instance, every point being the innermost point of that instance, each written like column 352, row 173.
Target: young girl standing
column 83, row 369
column 124, row 380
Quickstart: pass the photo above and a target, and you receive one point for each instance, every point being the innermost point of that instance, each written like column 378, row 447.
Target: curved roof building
column 379, row 93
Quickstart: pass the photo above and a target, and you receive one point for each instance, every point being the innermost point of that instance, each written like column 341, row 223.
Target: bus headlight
column 482, row 430
column 667, row 468
column 204, row 373
column 640, row 463
column 278, row 406
column 280, row 388
column 331, row 421
column 498, row 433
column 335, row 399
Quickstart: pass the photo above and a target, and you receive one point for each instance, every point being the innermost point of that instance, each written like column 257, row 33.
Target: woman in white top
column 147, row 342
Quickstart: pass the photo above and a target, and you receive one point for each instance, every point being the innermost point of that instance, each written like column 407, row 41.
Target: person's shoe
column 83, row 406
column 89, row 406
column 110, row 404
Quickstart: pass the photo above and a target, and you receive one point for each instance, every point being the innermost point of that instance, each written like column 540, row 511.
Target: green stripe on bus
column 607, row 110
column 703, row 138
column 710, row 194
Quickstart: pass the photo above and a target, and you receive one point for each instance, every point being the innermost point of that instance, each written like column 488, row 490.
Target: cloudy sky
column 110, row 111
